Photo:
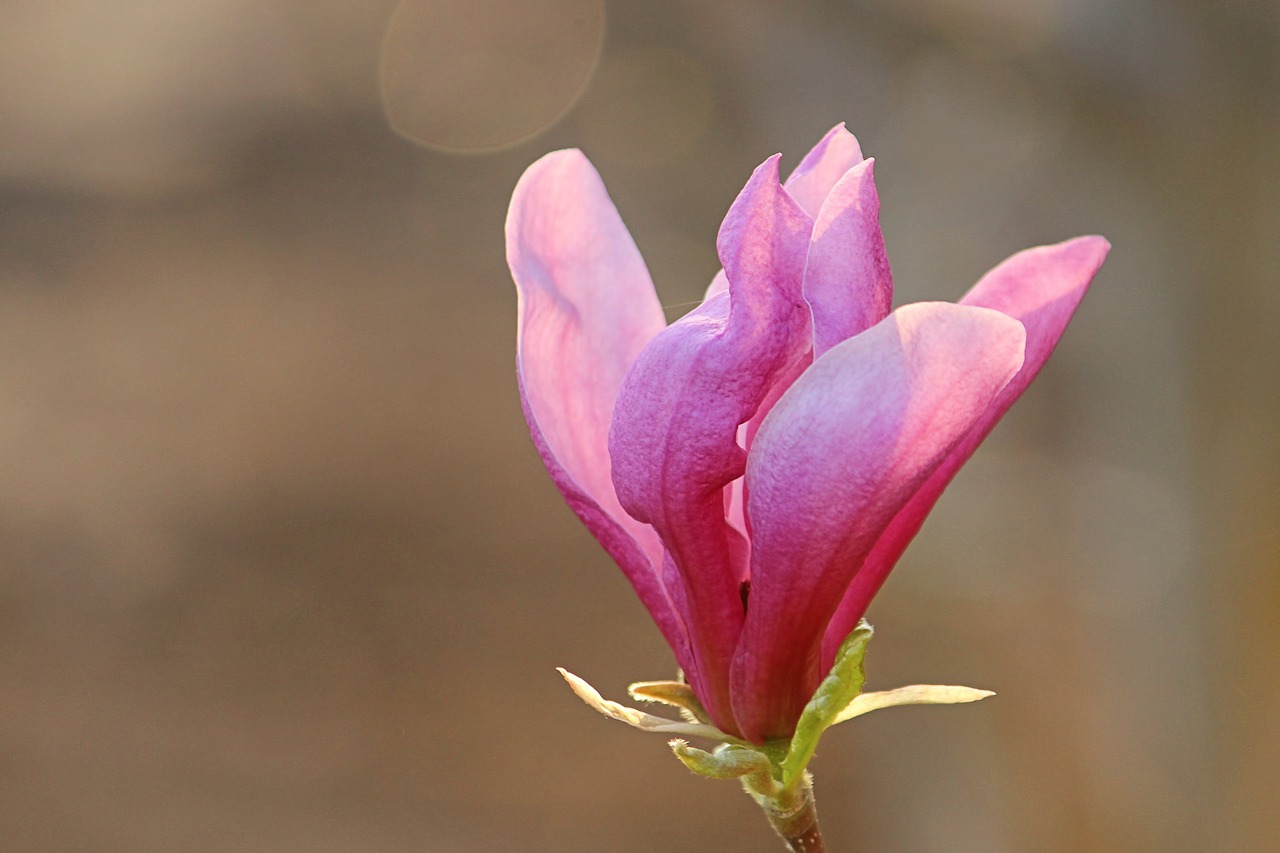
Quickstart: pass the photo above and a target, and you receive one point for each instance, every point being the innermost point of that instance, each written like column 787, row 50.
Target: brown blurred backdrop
column 281, row 571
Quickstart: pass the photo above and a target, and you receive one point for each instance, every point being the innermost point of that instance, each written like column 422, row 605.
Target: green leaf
column 833, row 696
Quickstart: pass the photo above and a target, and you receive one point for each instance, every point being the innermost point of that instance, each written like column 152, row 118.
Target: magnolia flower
column 757, row 467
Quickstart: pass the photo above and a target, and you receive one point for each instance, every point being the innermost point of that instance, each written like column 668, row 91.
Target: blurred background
column 281, row 571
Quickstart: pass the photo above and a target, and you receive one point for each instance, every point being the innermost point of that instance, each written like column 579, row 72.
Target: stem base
column 793, row 814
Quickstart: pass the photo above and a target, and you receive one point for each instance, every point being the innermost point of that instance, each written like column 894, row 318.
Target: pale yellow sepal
column 675, row 693
column 775, row 770
column 639, row 719
column 914, row 694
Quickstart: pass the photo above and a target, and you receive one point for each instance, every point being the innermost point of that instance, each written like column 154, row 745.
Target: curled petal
column 844, row 449
column 1041, row 288
column 835, row 154
column 586, row 309
column 674, row 435
column 847, row 282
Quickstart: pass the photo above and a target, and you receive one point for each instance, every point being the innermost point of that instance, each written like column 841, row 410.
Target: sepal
column 789, row 809
column 836, row 692
column 774, row 770
column 639, row 719
column 677, row 693
column 914, row 694
column 730, row 761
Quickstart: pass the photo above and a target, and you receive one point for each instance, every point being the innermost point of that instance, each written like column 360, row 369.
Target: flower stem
column 794, row 816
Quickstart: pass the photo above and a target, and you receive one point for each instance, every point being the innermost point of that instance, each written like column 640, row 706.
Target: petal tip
column 1102, row 244
column 1094, row 245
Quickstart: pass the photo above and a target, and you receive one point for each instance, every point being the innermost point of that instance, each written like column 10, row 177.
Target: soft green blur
column 281, row 571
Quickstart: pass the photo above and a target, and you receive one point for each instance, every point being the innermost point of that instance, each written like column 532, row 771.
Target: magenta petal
column 834, row 462
column 835, row 154
column 587, row 308
column 674, row 436
column 719, row 284
column 847, row 282
column 1041, row 287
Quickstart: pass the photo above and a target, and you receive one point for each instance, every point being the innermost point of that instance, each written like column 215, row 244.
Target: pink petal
column 719, row 284
column 1041, row 287
column 835, row 154
column 847, row 282
column 843, row 450
column 587, row 308
column 674, row 435
column 846, row 279
column 735, row 505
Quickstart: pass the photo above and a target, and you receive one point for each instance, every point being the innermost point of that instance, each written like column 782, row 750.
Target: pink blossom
column 757, row 467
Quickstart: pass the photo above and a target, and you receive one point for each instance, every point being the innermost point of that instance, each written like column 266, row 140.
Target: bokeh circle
column 480, row 75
